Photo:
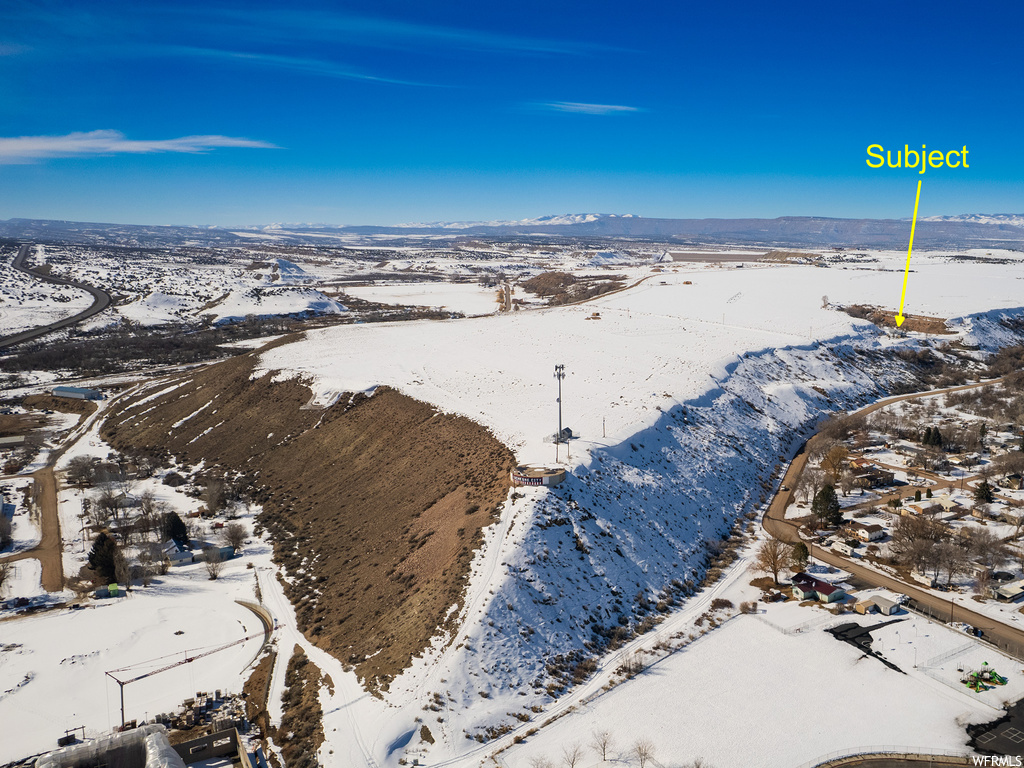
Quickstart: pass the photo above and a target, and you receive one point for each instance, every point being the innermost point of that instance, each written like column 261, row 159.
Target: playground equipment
column 983, row 679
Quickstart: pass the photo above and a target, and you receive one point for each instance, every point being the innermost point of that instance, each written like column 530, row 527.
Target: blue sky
column 223, row 112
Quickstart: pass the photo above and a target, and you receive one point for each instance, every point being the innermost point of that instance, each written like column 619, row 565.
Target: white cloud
column 588, row 109
column 28, row 149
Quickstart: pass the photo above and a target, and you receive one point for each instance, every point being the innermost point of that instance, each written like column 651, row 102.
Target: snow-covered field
column 468, row 298
column 699, row 388
column 26, row 302
column 684, row 399
column 52, row 665
column 747, row 694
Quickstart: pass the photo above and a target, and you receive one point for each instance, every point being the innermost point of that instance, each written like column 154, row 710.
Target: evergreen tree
column 983, row 493
column 928, row 492
column 826, row 507
column 936, row 438
column 926, row 439
column 917, row 495
column 103, row 557
column 799, row 556
column 174, row 528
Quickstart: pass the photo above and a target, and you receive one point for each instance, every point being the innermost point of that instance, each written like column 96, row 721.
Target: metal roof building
column 78, row 393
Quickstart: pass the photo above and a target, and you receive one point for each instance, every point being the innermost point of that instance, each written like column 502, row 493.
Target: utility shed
column 78, row 393
column 1012, row 591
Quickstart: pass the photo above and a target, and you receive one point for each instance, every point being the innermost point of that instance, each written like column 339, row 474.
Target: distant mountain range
column 936, row 232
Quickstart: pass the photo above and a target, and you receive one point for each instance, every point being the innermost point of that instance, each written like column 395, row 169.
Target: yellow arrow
column 910, row 249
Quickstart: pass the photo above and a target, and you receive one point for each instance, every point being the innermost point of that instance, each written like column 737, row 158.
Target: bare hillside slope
column 375, row 504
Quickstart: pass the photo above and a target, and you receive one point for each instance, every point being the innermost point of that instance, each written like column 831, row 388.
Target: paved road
column 1003, row 635
column 100, row 301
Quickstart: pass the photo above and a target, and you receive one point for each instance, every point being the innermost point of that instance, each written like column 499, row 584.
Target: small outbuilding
column 1010, row 592
column 535, row 474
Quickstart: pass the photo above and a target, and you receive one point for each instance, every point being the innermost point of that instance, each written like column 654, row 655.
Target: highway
column 100, row 301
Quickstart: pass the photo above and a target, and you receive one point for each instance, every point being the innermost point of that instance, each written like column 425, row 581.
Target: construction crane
column 187, row 660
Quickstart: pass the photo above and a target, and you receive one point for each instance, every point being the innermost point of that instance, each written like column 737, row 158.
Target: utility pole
column 559, row 374
column 120, row 684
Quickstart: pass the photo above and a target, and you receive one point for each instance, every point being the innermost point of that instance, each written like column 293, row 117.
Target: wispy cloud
column 388, row 32
column 588, row 109
column 30, row 149
column 11, row 49
column 292, row 63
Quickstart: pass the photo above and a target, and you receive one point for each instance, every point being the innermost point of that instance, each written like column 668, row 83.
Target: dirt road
column 49, row 550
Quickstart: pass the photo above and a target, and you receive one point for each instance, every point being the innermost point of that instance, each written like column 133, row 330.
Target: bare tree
column 122, row 571
column 6, row 533
column 107, row 505
column 602, row 743
column 846, row 482
column 811, row 481
column 572, row 754
column 234, row 535
column 987, row 548
column 983, row 583
column 82, row 471
column 952, row 558
column 540, row 762
column 834, row 462
column 644, row 751
column 773, row 557
column 214, row 564
column 6, row 573
column 215, row 495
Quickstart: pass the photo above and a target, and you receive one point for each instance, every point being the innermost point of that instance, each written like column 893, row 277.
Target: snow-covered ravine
column 688, row 454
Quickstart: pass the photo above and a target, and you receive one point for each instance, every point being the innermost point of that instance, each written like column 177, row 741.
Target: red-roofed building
column 806, row 587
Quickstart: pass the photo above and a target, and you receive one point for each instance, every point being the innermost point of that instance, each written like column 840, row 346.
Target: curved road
column 1003, row 635
column 100, row 301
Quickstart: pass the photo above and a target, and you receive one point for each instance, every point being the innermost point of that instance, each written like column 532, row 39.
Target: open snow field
column 468, row 298
column 52, row 665
column 659, row 343
column 747, row 694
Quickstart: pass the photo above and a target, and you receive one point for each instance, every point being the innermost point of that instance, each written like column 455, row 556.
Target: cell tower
column 559, row 375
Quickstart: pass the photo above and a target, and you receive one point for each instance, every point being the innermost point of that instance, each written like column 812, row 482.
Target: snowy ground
column 468, row 298
column 26, row 302
column 739, row 694
column 52, row 665
column 25, row 528
column 701, row 390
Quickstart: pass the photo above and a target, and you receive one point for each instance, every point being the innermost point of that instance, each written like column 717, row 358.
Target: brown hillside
column 886, row 318
column 380, row 499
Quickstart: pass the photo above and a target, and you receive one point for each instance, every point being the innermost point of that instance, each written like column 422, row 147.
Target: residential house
column 806, row 587
column 175, row 553
column 868, row 532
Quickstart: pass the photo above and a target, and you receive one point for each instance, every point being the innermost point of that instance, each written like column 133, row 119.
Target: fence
column 916, row 754
column 1016, row 650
